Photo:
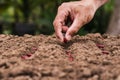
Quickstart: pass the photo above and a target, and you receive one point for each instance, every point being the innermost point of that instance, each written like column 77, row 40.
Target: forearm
column 96, row 3
column 99, row 3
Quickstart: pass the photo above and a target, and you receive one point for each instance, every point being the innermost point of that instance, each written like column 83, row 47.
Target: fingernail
column 68, row 37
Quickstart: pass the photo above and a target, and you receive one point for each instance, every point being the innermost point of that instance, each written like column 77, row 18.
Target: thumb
column 74, row 28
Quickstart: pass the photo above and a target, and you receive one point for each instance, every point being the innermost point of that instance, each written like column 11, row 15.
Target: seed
column 100, row 45
column 23, row 57
column 28, row 55
column 34, row 48
column 71, row 58
column 105, row 52
column 69, row 55
column 65, row 40
column 67, row 52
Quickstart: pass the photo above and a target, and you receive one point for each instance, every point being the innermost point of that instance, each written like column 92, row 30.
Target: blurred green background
column 21, row 17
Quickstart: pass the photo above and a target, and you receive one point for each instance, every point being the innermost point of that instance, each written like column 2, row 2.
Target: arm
column 99, row 3
column 80, row 13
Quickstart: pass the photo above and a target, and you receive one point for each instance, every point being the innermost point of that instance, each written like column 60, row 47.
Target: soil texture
column 40, row 57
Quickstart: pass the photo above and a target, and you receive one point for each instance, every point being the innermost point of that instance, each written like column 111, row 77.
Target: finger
column 64, row 29
column 58, row 31
column 61, row 16
column 74, row 28
column 59, row 23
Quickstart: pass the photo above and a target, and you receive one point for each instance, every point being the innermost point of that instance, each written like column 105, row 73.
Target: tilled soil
column 40, row 57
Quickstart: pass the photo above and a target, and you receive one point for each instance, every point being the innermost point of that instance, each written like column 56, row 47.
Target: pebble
column 118, row 78
column 62, row 75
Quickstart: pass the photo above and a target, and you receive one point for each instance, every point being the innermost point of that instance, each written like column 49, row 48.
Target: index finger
column 59, row 22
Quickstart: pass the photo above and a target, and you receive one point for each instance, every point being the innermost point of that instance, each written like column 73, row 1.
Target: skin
column 79, row 12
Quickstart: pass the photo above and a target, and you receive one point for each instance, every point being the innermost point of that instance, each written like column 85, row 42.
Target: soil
column 40, row 57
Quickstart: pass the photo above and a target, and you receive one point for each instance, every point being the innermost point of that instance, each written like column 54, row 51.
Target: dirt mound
column 90, row 57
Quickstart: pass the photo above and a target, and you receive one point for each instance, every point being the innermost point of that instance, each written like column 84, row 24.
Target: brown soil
column 90, row 57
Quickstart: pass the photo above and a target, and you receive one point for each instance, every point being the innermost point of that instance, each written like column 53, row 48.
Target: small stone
column 86, row 72
column 68, row 69
column 95, row 77
column 46, row 73
column 62, row 75
column 105, row 62
column 51, row 57
column 118, row 78
column 55, row 71
column 27, row 35
column 2, row 35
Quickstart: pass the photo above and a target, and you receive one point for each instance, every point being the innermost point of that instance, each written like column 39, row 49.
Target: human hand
column 80, row 13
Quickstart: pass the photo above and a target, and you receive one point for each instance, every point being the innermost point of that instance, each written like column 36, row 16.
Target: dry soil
column 40, row 57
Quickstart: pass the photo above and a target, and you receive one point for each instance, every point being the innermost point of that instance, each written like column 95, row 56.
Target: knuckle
column 54, row 22
column 59, row 8
column 64, row 4
column 89, row 18
column 73, row 31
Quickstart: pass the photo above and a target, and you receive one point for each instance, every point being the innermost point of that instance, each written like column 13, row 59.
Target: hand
column 80, row 13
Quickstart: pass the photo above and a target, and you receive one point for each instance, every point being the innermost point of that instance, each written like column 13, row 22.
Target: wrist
column 99, row 3
column 91, row 4
column 95, row 3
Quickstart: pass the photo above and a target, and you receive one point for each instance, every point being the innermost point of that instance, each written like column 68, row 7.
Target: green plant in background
column 40, row 12
column 4, row 16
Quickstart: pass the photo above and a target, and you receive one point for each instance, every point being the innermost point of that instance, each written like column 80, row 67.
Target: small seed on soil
column 34, row 48
column 28, row 55
column 67, row 51
column 69, row 55
column 23, row 57
column 71, row 58
column 65, row 40
column 100, row 45
column 105, row 52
